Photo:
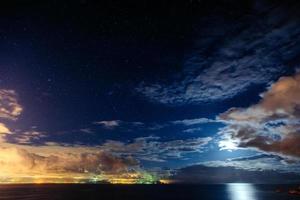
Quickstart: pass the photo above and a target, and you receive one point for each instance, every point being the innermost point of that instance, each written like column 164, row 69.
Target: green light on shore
column 147, row 178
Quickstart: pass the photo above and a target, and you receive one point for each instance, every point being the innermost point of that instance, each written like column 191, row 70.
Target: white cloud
column 196, row 121
column 109, row 124
column 192, row 130
column 113, row 124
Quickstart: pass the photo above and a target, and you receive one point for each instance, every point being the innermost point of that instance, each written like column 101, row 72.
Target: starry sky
column 141, row 91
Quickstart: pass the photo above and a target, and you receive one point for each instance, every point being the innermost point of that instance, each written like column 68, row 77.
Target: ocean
column 144, row 192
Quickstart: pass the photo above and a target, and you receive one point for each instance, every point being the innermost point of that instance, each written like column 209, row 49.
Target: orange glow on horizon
column 125, row 178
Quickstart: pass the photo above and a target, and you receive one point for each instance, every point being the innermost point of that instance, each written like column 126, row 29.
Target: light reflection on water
column 241, row 191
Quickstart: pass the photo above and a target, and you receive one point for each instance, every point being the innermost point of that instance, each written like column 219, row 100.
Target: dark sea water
column 141, row 192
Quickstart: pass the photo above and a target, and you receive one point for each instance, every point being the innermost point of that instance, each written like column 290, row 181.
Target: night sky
column 145, row 91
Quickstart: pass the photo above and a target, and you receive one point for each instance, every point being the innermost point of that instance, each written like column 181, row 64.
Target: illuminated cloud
column 21, row 161
column 272, row 125
column 17, row 161
column 4, row 129
column 27, row 137
column 111, row 160
column 9, row 106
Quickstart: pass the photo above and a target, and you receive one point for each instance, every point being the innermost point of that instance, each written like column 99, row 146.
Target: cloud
column 232, row 54
column 110, row 160
column 113, row 124
column 192, row 130
column 4, row 129
column 9, row 106
column 272, row 125
column 23, row 159
column 86, row 130
column 109, row 124
column 64, row 164
column 152, row 126
column 151, row 149
column 27, row 137
column 191, row 122
column 260, row 162
column 223, row 174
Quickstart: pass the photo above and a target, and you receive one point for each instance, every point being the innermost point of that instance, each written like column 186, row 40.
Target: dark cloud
column 213, row 175
column 289, row 145
column 233, row 53
column 261, row 168
column 261, row 162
